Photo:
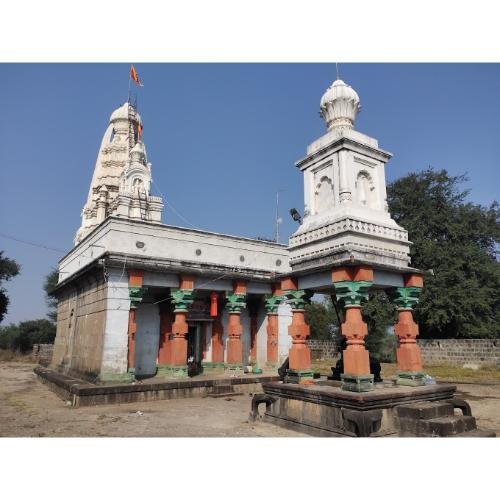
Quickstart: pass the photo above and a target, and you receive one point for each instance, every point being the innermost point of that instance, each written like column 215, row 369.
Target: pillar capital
column 136, row 294
column 297, row 299
column 352, row 293
column 182, row 299
column 235, row 302
column 271, row 303
column 406, row 297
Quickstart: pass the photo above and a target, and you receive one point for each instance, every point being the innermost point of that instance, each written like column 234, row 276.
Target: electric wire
column 31, row 243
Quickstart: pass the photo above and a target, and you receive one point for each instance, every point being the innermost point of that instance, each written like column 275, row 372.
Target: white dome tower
column 345, row 207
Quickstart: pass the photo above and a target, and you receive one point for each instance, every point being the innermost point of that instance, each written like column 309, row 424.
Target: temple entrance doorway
column 146, row 340
column 194, row 350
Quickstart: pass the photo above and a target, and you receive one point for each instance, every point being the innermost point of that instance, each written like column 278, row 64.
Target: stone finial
column 339, row 106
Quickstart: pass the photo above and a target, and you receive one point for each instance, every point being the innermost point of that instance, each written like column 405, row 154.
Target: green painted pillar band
column 271, row 303
column 182, row 299
column 297, row 299
column 235, row 302
column 352, row 293
column 406, row 297
column 136, row 294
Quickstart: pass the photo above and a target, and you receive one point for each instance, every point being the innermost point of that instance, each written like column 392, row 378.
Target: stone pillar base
column 172, row 371
column 212, row 366
column 231, row 367
column 357, row 383
column 117, row 378
column 299, row 376
column 411, row 379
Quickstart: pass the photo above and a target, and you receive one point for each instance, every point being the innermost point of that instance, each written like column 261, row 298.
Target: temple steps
column 436, row 419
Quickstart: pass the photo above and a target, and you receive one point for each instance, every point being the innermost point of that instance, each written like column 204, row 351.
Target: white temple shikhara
column 138, row 297
column 122, row 176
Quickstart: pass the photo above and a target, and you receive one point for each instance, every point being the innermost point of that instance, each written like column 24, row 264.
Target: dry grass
column 8, row 355
column 486, row 373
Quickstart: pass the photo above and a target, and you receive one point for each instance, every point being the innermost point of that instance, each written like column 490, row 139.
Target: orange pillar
column 179, row 341
column 272, row 340
column 136, row 292
column 132, row 329
column 351, row 286
column 235, row 304
column 271, row 304
column 181, row 299
column 299, row 356
column 356, row 357
column 408, row 353
column 165, row 333
column 217, row 344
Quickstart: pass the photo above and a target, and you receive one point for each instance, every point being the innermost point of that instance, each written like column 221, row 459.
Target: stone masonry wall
column 457, row 352
column 42, row 353
column 81, row 319
column 460, row 351
column 323, row 349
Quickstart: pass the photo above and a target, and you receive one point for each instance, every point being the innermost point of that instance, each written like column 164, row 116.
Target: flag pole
column 129, row 80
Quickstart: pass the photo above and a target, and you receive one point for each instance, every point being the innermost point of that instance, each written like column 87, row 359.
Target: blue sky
column 222, row 138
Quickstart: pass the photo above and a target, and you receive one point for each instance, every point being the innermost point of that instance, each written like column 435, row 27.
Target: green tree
column 8, row 269
column 21, row 337
column 379, row 313
column 321, row 318
column 48, row 286
column 457, row 240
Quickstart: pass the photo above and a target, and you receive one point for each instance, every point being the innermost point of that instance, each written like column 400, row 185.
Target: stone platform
column 324, row 409
column 82, row 393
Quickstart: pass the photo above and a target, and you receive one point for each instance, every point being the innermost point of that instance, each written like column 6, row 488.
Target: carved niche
column 323, row 195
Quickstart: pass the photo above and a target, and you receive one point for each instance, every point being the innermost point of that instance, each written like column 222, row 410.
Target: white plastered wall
column 115, row 348
column 262, row 336
column 284, row 340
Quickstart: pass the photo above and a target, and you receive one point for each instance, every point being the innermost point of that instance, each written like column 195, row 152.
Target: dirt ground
column 29, row 408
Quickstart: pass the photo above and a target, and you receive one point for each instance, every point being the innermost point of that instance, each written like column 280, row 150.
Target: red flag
column 139, row 130
column 134, row 76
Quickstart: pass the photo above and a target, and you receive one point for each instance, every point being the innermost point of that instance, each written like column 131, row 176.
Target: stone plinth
column 327, row 410
column 82, row 393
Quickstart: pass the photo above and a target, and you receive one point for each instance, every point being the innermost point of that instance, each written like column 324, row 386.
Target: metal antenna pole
column 337, row 67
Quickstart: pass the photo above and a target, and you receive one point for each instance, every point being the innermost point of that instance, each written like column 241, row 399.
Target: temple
column 139, row 298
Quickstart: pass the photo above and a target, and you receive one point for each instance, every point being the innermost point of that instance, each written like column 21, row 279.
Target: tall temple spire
column 122, row 175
